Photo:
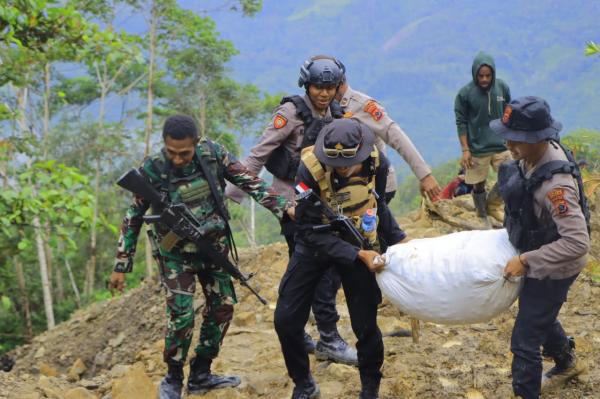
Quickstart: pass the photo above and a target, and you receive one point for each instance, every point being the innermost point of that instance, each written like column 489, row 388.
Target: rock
column 90, row 384
column 341, row 371
column 76, row 370
column 144, row 354
column 48, row 370
column 447, row 384
column 450, row 344
column 474, row 394
column 40, row 352
column 118, row 340
column 389, row 325
column 151, row 366
column 119, row 370
column 79, row 393
column 29, row 395
column 244, row 318
column 49, row 390
column 100, row 359
column 135, row 384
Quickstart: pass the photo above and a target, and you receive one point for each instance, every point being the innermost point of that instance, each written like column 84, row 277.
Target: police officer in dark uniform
column 295, row 125
column 348, row 173
column 547, row 218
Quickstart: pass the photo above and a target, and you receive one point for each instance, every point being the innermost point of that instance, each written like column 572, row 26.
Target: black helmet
column 321, row 71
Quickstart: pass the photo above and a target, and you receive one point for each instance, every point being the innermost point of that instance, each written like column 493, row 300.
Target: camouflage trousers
column 180, row 279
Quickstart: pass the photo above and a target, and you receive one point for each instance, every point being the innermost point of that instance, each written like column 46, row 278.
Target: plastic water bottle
column 369, row 220
column 369, row 225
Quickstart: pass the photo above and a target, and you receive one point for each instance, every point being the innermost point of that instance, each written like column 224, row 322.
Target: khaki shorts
column 481, row 166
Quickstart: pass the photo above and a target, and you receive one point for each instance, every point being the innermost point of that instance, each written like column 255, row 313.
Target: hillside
column 413, row 56
column 118, row 342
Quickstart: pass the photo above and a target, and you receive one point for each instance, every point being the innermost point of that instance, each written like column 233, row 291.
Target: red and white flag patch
column 301, row 188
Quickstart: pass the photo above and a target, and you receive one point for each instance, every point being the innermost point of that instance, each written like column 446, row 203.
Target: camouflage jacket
column 188, row 185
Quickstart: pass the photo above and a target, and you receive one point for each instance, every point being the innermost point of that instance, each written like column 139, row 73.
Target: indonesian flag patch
column 301, row 188
column 279, row 121
column 374, row 110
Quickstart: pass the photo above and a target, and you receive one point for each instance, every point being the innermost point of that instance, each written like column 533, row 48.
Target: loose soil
column 120, row 341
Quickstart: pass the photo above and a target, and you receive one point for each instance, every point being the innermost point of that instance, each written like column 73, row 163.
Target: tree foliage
column 70, row 91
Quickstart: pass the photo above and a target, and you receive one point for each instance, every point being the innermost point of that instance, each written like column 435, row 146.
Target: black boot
column 566, row 367
column 370, row 387
column 201, row 380
column 309, row 344
column 480, row 202
column 333, row 347
column 171, row 386
column 307, row 389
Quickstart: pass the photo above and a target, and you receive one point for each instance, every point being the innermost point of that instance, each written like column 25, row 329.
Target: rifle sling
column 218, row 200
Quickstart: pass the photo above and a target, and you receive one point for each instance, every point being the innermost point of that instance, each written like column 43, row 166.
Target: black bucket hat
column 527, row 120
column 344, row 142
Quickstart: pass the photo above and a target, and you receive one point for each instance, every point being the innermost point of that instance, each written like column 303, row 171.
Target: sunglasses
column 344, row 152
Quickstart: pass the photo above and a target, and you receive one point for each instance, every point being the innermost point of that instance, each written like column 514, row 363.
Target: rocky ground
column 113, row 349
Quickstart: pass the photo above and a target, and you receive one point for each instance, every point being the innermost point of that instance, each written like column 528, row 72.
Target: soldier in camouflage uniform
column 176, row 172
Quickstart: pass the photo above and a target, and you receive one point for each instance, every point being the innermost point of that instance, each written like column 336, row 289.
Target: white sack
column 451, row 279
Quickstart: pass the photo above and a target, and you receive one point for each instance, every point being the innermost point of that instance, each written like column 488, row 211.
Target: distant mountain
column 413, row 56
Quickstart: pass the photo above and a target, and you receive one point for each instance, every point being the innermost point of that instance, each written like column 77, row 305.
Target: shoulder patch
column 279, row 121
column 348, row 114
column 374, row 110
column 557, row 198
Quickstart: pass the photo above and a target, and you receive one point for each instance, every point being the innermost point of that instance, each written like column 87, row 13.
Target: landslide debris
column 113, row 349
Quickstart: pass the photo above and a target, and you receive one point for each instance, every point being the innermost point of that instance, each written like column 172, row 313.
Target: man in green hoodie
column 476, row 104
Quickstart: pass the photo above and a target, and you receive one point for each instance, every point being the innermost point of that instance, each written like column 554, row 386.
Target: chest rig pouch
column 354, row 198
column 282, row 163
column 525, row 231
column 195, row 191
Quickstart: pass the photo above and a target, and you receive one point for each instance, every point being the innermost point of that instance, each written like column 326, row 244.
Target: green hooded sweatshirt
column 475, row 107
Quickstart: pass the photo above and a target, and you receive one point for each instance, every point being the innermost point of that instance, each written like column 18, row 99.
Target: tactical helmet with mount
column 321, row 71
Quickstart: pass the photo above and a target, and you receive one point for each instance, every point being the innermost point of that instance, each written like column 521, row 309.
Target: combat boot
column 494, row 202
column 333, row 347
column 566, row 368
column 307, row 389
column 370, row 387
column 171, row 386
column 480, row 202
column 201, row 380
column 309, row 343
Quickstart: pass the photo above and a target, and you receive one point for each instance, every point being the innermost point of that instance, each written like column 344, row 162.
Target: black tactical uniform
column 316, row 252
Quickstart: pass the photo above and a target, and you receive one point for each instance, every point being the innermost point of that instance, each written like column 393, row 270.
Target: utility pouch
column 169, row 241
column 282, row 164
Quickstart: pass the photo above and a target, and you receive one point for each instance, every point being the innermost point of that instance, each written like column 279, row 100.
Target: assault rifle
column 183, row 224
column 337, row 222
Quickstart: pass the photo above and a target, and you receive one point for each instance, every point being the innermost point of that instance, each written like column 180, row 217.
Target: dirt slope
column 119, row 342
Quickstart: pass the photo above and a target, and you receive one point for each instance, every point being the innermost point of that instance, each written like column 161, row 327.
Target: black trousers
column 323, row 305
column 296, row 292
column 536, row 325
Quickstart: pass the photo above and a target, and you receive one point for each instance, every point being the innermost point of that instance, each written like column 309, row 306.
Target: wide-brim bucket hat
column 344, row 142
column 527, row 120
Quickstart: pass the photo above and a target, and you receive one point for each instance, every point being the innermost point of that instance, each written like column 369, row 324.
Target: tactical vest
column 283, row 164
column 193, row 190
column 354, row 199
column 525, row 231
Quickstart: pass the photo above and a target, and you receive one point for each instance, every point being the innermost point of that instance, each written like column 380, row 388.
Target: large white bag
column 451, row 279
